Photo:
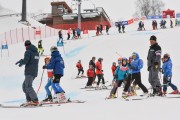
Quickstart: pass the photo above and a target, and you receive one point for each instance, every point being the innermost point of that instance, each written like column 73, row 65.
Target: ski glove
column 155, row 67
column 20, row 62
column 44, row 67
column 149, row 68
column 133, row 67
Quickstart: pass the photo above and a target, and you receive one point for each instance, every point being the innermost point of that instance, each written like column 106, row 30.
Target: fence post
column 16, row 36
column 34, row 34
column 40, row 30
column 28, row 33
column 10, row 37
column 45, row 31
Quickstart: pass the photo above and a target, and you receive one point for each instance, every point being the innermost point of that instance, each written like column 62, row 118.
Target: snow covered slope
column 96, row 107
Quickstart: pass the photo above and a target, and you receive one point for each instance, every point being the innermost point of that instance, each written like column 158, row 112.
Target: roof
column 64, row 4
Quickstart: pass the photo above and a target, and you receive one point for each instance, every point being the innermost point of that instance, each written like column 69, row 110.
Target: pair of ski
column 42, row 104
column 59, row 103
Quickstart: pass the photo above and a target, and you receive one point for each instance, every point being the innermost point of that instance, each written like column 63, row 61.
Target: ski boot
column 48, row 99
column 175, row 92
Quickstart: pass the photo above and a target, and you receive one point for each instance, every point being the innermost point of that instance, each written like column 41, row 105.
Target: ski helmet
column 100, row 59
column 53, row 48
column 166, row 55
column 27, row 43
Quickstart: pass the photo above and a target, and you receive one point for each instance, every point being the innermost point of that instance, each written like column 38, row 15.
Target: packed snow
column 110, row 48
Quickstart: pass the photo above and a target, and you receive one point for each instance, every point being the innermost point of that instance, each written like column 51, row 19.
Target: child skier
column 40, row 48
column 113, row 68
column 50, row 78
column 90, row 75
column 120, row 73
column 167, row 71
column 80, row 69
column 57, row 64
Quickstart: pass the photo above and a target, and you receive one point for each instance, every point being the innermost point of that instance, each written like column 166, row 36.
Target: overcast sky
column 116, row 9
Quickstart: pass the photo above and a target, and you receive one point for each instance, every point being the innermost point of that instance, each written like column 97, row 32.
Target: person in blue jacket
column 120, row 73
column 167, row 71
column 135, row 67
column 57, row 64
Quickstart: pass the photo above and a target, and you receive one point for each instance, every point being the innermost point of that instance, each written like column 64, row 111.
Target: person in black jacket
column 30, row 60
column 92, row 62
column 154, row 64
column 40, row 47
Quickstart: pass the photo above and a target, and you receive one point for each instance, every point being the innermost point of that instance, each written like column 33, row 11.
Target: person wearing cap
column 167, row 74
column 31, row 61
column 57, row 64
column 154, row 64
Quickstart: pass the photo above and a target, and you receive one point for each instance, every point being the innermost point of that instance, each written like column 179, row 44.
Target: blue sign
column 60, row 43
column 154, row 17
column 178, row 15
column 4, row 46
column 121, row 23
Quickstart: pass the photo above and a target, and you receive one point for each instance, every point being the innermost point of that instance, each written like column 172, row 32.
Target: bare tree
column 148, row 7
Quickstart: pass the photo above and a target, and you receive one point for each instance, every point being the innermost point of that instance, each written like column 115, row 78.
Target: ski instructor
column 154, row 64
column 30, row 60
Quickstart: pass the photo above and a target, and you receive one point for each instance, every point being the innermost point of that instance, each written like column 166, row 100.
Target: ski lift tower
column 24, row 15
column 79, row 14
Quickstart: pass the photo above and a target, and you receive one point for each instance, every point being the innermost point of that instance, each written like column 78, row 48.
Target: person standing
column 167, row 71
column 57, row 64
column 40, row 47
column 90, row 75
column 135, row 67
column 80, row 69
column 69, row 33
column 31, row 61
column 107, row 29
column 154, row 64
column 49, row 82
column 99, row 73
column 92, row 62
column 60, row 36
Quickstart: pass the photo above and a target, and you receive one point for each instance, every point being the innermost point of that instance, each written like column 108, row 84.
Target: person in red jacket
column 90, row 75
column 113, row 68
column 99, row 73
column 80, row 69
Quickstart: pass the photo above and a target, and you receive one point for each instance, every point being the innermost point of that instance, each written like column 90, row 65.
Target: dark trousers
column 68, row 36
column 167, row 82
column 90, row 81
column 116, row 85
column 100, row 76
column 137, row 77
column 80, row 70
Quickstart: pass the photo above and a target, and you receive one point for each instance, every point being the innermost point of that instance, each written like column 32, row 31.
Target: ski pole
column 40, row 82
column 118, row 54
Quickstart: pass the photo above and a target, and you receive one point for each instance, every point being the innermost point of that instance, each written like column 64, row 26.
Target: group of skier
column 127, row 71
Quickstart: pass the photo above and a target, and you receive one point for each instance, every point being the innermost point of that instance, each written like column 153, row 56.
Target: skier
column 121, row 72
column 153, row 64
column 99, row 73
column 113, row 68
column 101, row 28
column 57, row 64
column 69, row 34
column 167, row 71
column 78, row 31
column 30, row 60
column 74, row 33
column 50, row 78
column 135, row 67
column 119, row 27
column 80, row 69
column 90, row 75
column 171, row 23
column 97, row 30
column 92, row 62
column 123, row 27
column 107, row 29
column 153, row 25
column 40, row 48
column 60, row 36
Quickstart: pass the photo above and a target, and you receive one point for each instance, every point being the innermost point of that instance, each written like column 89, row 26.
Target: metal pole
column 79, row 14
column 24, row 18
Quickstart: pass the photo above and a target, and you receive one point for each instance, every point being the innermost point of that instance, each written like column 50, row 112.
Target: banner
column 178, row 15
column 154, row 17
